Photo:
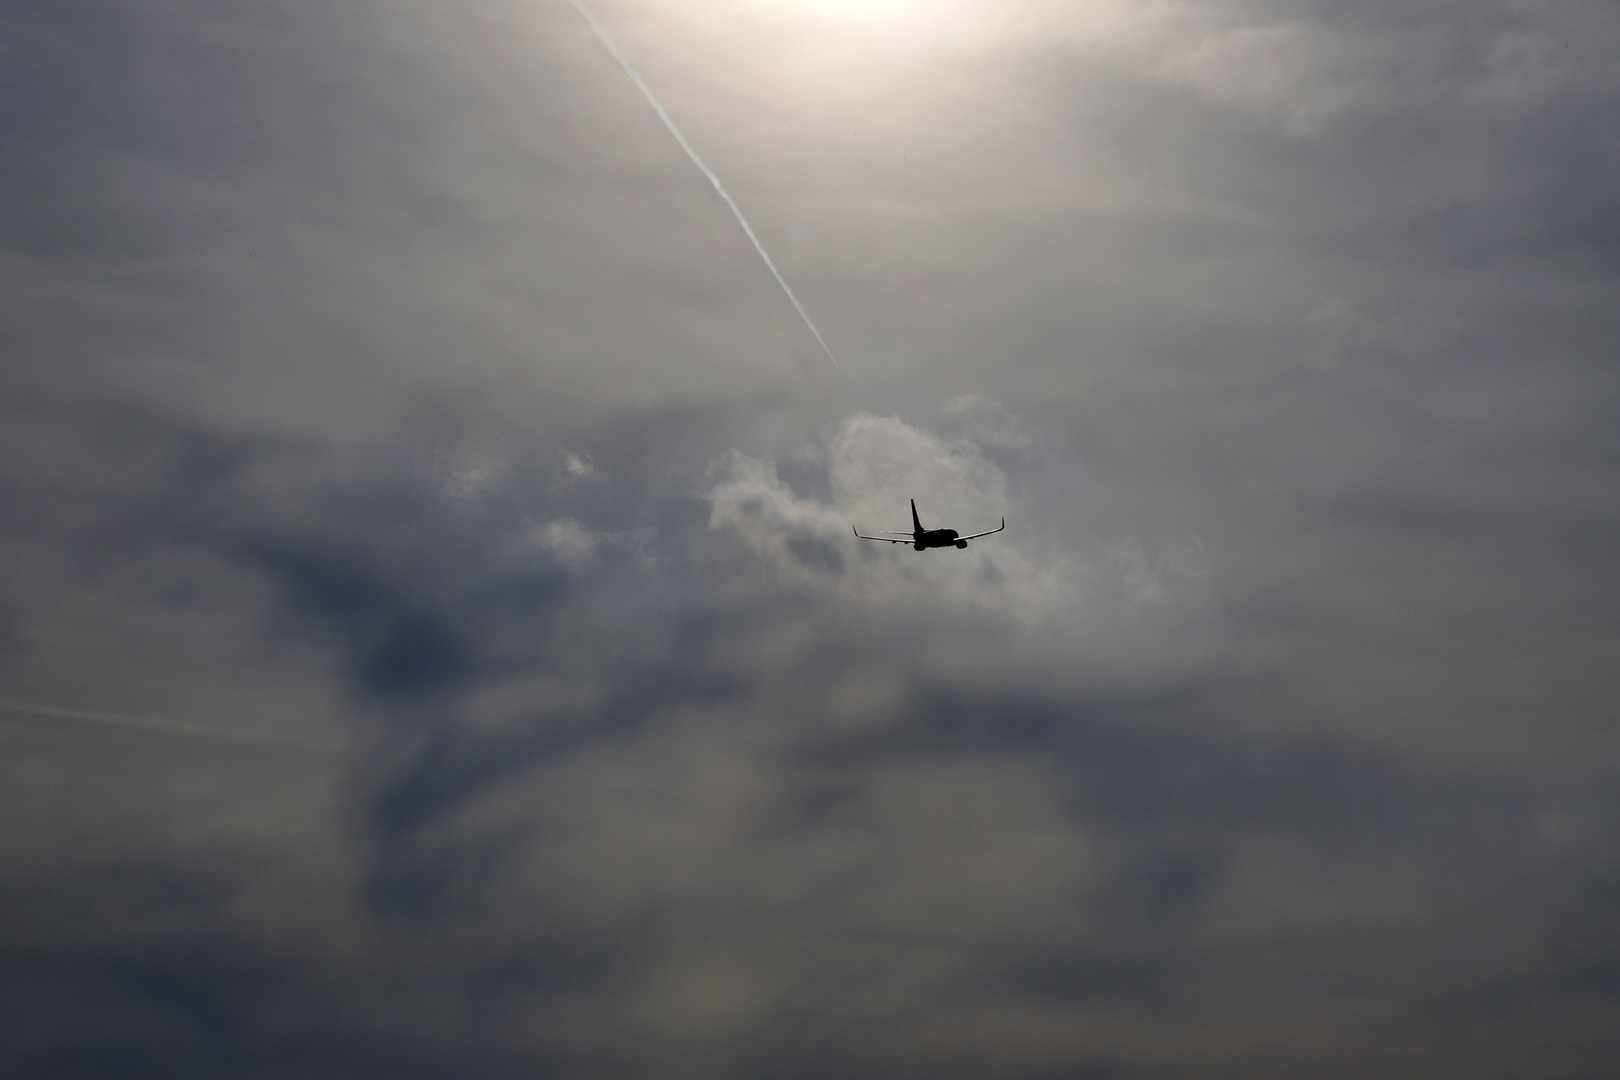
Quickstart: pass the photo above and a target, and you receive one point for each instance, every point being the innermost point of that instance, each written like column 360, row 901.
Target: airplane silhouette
column 922, row 539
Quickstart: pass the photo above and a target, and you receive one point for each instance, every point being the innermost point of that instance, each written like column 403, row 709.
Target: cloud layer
column 433, row 639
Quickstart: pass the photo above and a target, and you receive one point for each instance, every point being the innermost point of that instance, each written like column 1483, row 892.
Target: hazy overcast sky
column 432, row 642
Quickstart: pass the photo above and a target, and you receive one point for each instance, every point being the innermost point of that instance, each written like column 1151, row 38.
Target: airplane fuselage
column 936, row 538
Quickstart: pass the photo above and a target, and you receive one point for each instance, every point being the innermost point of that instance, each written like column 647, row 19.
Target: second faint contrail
column 646, row 91
column 171, row 727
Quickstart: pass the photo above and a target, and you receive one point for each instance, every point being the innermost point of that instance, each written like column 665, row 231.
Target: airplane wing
column 987, row 532
column 885, row 539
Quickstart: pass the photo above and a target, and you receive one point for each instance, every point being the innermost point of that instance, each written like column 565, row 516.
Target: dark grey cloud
column 432, row 639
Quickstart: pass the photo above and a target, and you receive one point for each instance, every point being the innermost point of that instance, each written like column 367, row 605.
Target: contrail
column 172, row 727
column 646, row 91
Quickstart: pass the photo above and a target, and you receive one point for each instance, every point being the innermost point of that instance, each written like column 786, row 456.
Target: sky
column 432, row 638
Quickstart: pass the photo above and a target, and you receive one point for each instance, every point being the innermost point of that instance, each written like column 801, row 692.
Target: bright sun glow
column 891, row 23
column 854, row 11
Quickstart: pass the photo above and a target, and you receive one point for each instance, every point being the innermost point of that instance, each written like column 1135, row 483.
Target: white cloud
column 875, row 466
column 573, row 545
column 1079, row 586
column 578, row 466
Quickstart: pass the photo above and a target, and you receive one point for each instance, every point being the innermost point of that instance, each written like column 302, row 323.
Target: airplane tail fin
column 914, row 521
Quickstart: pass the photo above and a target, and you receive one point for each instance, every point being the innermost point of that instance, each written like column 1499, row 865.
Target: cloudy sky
column 431, row 639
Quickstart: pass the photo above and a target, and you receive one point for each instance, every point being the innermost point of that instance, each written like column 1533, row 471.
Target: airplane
column 922, row 539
